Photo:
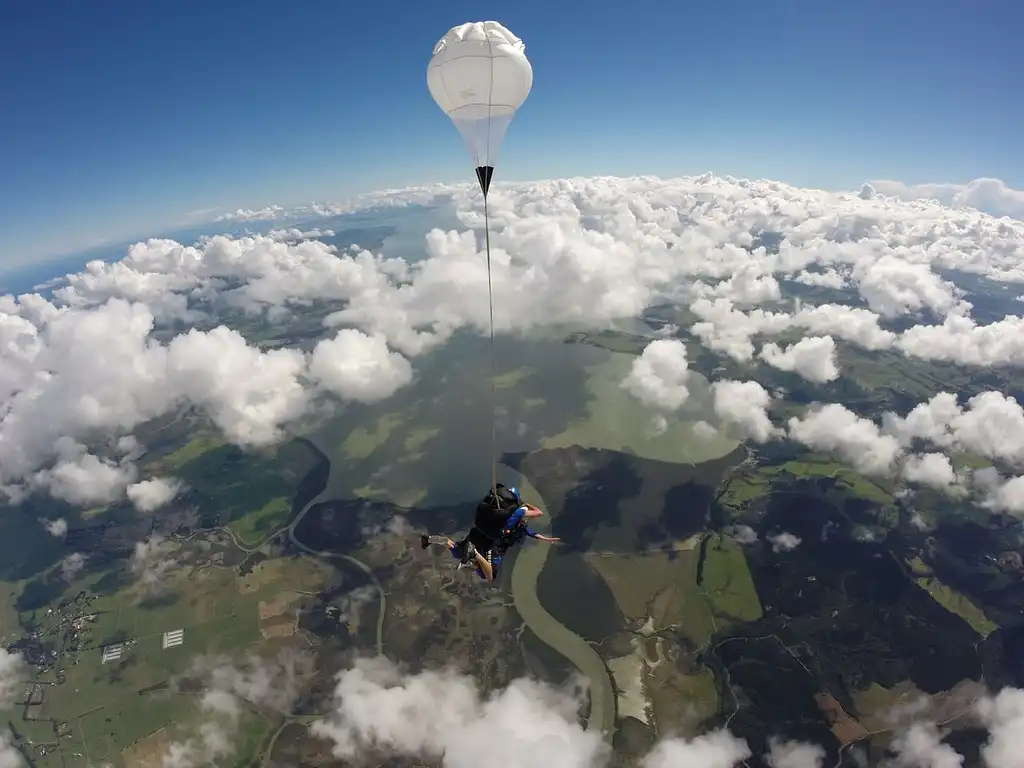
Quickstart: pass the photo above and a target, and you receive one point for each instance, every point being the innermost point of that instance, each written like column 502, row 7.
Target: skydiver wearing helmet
column 500, row 523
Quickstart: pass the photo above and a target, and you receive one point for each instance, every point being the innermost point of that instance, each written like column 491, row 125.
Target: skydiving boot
column 468, row 555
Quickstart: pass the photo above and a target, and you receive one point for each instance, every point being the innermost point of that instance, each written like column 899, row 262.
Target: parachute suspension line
column 469, row 52
column 490, row 296
column 490, row 304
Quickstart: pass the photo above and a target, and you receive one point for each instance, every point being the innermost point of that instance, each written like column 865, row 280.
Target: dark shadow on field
column 594, row 502
column 543, row 661
column 156, row 602
column 1002, row 652
column 990, row 300
column 775, row 696
column 817, row 294
column 983, row 562
column 779, row 452
column 327, row 614
column 969, row 743
column 632, row 740
column 311, row 465
column 888, row 380
column 40, row 592
column 687, row 510
column 314, row 481
column 117, row 636
column 116, row 578
column 115, row 673
column 165, row 434
column 293, row 747
column 32, row 554
column 799, row 391
column 248, row 565
column 344, row 525
column 847, row 609
column 616, row 502
column 568, row 587
column 227, row 483
column 26, row 547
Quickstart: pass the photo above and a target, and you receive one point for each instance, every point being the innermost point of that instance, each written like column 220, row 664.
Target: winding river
column 294, row 524
column 526, row 569
column 622, row 430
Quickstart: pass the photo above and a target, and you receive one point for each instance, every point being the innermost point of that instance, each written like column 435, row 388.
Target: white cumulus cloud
column 794, row 754
column 858, row 441
column 10, row 756
column 990, row 424
column 1003, row 715
column 932, row 469
column 989, row 195
column 718, row 749
column 13, row 673
column 80, row 370
column 383, row 711
column 744, row 404
column 784, row 541
column 150, row 495
column 658, row 376
column 813, row 358
column 359, row 367
column 920, row 746
column 960, row 340
column 435, row 713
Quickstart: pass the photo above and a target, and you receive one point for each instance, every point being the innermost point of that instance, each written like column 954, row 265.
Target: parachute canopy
column 479, row 75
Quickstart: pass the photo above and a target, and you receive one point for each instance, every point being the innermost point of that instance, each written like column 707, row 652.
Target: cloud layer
column 989, row 195
column 121, row 343
column 382, row 710
column 164, row 329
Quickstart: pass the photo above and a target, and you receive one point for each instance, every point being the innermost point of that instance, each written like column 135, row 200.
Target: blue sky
column 124, row 118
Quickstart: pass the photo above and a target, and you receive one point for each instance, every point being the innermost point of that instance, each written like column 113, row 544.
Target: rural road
column 347, row 558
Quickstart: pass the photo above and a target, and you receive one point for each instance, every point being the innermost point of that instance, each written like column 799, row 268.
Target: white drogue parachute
column 479, row 75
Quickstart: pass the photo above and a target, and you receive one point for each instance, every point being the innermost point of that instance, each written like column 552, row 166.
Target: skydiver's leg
column 484, row 567
column 496, row 558
column 482, row 562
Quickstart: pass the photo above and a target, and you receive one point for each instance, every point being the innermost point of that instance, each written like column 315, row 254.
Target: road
column 347, row 558
column 268, row 750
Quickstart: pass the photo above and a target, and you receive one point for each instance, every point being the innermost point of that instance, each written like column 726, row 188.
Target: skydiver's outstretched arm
column 532, row 511
column 541, row 537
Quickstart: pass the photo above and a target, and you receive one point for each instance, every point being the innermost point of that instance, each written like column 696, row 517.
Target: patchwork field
column 660, row 590
column 118, row 700
column 667, row 597
column 753, row 484
column 250, row 493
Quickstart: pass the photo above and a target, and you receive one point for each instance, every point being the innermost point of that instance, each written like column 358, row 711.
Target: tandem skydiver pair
column 500, row 523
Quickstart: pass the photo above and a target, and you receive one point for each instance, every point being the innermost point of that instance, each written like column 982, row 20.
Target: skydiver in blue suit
column 500, row 524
